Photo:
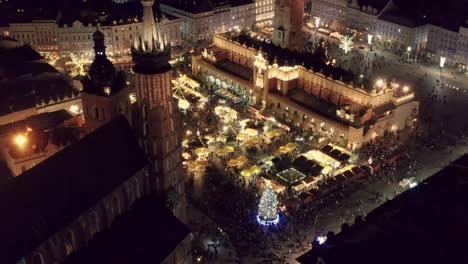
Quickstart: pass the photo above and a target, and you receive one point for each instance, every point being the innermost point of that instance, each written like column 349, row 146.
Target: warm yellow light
column 21, row 140
column 379, row 83
column 405, row 89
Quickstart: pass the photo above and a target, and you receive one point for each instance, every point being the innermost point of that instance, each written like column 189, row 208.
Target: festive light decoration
column 346, row 43
column 77, row 65
column 267, row 213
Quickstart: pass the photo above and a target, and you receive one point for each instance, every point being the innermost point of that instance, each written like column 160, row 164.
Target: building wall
column 77, row 39
column 40, row 34
column 97, row 218
column 201, row 26
column 264, row 12
column 99, row 110
column 430, row 39
column 159, row 128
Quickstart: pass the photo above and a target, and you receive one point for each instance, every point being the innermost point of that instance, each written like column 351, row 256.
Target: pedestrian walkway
column 223, row 256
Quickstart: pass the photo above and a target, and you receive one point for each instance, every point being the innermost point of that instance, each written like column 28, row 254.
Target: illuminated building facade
column 264, row 12
column 346, row 113
column 47, row 36
column 287, row 24
column 390, row 27
column 77, row 38
column 201, row 19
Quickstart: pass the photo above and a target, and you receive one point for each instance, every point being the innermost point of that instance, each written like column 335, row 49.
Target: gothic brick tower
column 105, row 92
column 287, row 24
column 159, row 122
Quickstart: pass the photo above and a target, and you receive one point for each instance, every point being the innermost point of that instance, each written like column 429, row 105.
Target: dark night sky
column 440, row 12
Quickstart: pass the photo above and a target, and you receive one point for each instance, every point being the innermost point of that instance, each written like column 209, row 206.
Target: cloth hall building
column 348, row 113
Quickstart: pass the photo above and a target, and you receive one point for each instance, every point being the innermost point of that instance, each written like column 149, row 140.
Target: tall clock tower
column 158, row 122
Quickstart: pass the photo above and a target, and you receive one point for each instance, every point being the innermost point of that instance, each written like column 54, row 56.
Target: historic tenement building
column 202, row 18
column 348, row 114
column 76, row 38
column 383, row 22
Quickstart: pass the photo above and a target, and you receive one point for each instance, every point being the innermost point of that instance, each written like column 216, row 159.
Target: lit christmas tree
column 267, row 213
column 346, row 43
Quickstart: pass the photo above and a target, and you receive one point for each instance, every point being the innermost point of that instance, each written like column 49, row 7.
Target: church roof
column 46, row 198
column 148, row 233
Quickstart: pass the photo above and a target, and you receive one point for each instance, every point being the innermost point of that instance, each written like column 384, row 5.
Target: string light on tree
column 346, row 43
column 267, row 212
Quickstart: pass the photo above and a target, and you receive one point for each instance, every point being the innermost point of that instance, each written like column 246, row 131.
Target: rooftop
column 399, row 17
column 286, row 57
column 26, row 80
column 236, row 69
column 42, row 121
column 291, row 176
column 148, row 233
column 425, row 224
column 317, row 105
column 50, row 195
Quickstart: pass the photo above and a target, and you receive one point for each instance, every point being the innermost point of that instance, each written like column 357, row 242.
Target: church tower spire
column 159, row 125
column 99, row 46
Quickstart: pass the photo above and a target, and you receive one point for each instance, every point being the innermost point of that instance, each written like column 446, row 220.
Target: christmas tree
column 267, row 213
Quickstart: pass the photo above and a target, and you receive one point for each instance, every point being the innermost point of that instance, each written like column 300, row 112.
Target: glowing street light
column 408, row 49
column 369, row 38
column 442, row 61
column 321, row 239
column 317, row 22
column 406, row 88
column 379, row 83
column 20, row 140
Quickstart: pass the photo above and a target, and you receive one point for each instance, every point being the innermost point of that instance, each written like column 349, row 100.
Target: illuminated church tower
column 158, row 122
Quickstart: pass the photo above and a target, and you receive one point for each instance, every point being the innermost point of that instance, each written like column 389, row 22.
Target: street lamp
column 317, row 22
column 20, row 140
column 379, row 83
column 369, row 39
column 408, row 52
column 442, row 61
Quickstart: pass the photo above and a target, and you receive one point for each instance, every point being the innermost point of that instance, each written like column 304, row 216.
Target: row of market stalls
column 228, row 96
column 314, row 169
